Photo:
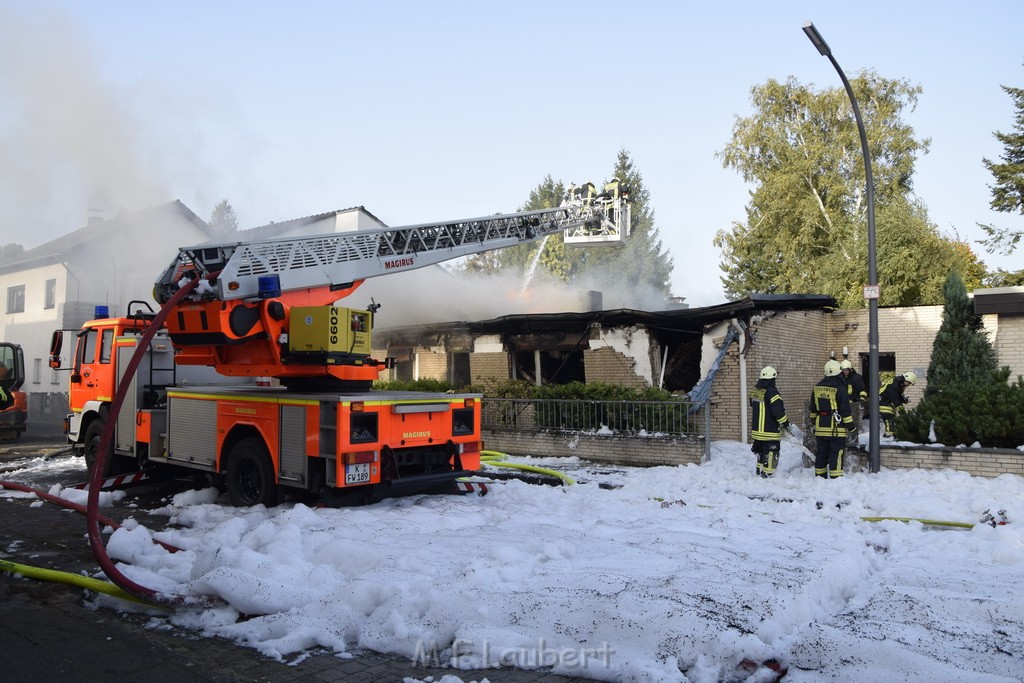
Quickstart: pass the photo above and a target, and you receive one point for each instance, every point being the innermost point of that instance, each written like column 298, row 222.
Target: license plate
column 357, row 474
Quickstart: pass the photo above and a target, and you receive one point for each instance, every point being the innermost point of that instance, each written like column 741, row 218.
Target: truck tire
column 251, row 475
column 92, row 446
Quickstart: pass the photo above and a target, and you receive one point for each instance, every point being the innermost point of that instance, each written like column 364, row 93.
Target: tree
column 10, row 252
column 805, row 229
column 967, row 398
column 642, row 262
column 961, row 351
column 223, row 222
column 1008, row 190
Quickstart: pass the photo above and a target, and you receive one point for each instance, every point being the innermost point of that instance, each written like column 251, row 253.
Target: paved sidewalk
column 49, row 631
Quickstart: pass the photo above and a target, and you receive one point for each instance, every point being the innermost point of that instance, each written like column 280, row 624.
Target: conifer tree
column 223, row 222
column 1008, row 191
column 961, row 353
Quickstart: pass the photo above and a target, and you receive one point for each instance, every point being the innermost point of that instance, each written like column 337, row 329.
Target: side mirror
column 56, row 344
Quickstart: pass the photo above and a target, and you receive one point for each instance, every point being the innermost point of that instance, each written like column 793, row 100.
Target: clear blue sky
column 424, row 111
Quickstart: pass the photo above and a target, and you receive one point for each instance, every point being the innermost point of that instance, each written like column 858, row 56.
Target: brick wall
column 650, row 452
column 794, row 344
column 431, row 365
column 488, row 366
column 907, row 332
column 979, row 462
column 1008, row 340
column 611, row 367
column 611, row 449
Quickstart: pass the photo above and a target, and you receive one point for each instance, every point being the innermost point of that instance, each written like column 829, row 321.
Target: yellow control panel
column 330, row 329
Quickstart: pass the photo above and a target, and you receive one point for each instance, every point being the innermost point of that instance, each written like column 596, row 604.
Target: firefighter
column 892, row 396
column 830, row 412
column 858, row 395
column 768, row 421
column 855, row 383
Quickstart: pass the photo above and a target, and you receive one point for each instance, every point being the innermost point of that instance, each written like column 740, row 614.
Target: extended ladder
column 342, row 258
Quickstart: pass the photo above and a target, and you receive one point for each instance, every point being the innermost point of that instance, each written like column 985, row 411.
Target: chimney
column 592, row 301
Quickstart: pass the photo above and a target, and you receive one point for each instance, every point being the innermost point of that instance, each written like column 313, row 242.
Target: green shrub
column 426, row 384
column 987, row 411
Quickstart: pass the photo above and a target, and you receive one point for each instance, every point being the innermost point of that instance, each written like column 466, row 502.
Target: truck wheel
column 92, row 448
column 251, row 475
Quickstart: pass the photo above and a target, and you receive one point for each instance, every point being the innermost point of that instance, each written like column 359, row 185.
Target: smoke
column 434, row 295
column 68, row 144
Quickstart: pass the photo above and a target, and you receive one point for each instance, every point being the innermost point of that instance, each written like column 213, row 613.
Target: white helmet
column 910, row 377
column 832, row 368
column 846, row 365
column 768, row 372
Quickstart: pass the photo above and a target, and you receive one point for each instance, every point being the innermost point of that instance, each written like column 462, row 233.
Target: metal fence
column 651, row 418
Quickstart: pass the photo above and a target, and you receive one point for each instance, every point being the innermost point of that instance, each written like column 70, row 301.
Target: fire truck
column 270, row 309
column 13, row 403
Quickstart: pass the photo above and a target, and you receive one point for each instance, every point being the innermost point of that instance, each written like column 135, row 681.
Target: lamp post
column 871, row 292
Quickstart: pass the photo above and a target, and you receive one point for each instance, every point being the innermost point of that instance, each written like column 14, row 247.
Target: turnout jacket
column 768, row 413
column 856, row 386
column 891, row 395
column 830, row 408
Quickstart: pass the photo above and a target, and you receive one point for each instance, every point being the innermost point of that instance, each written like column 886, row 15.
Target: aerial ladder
column 269, row 308
column 241, row 320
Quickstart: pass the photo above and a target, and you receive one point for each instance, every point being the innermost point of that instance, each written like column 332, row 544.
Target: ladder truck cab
column 238, row 311
column 13, row 402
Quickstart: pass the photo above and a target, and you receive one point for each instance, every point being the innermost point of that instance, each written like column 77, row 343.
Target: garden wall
column 610, row 449
column 979, row 462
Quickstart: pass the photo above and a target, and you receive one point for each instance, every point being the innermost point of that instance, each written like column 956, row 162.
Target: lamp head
column 816, row 38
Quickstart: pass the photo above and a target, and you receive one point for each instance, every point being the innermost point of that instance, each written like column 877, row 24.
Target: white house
column 57, row 285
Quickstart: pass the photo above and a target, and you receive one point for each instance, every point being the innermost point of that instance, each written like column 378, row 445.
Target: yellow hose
column 72, row 580
column 492, row 455
column 492, row 458
column 932, row 522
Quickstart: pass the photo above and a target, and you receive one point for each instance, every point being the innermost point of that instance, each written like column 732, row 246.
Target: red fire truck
column 270, row 309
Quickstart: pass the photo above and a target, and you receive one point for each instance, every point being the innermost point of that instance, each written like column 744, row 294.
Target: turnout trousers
column 828, row 460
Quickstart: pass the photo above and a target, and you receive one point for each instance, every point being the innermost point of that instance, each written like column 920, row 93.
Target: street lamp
column 871, row 291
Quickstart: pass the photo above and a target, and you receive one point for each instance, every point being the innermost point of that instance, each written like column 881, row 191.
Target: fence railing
column 634, row 418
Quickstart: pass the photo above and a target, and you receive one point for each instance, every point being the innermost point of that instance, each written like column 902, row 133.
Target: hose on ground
column 71, row 505
column 494, row 458
column 70, row 579
column 930, row 522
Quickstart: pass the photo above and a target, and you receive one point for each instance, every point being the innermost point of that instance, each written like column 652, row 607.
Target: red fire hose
column 92, row 509
column 71, row 505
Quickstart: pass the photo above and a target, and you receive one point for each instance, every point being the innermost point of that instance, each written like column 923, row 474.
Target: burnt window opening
column 556, row 366
column 458, row 369
column 682, row 370
column 404, row 370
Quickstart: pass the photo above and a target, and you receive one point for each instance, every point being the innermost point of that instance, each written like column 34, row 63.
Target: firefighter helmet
column 846, row 365
column 768, row 372
column 832, row 368
column 910, row 377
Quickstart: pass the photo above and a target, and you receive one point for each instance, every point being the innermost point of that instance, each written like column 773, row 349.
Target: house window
column 16, row 299
column 37, row 370
column 51, row 294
